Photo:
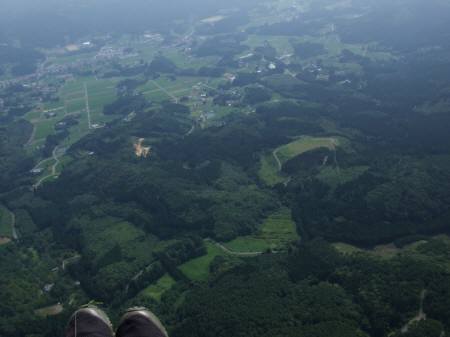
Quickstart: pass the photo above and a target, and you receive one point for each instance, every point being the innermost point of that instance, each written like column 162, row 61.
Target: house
column 37, row 171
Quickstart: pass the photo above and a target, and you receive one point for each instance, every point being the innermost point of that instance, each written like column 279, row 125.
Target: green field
column 72, row 101
column 336, row 176
column 157, row 289
column 346, row 248
column 163, row 88
column 198, row 269
column 102, row 235
column 269, row 170
column 276, row 232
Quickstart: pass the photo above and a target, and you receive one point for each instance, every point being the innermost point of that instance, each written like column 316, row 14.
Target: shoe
column 89, row 322
column 140, row 322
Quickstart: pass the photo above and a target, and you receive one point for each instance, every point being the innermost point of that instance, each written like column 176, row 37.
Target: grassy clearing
column 102, row 235
column 269, row 170
column 335, row 176
column 44, row 128
column 276, row 232
column 157, row 289
column 5, row 222
column 385, row 251
column 302, row 145
column 198, row 269
column 346, row 248
column 52, row 310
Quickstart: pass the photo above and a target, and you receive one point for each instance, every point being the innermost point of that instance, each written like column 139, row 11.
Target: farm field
column 198, row 269
column 110, row 233
column 271, row 163
column 276, row 232
column 334, row 176
column 73, row 102
column 156, row 290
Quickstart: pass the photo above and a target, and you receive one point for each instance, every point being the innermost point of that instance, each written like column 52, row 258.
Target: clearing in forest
column 276, row 233
column 198, row 269
column 271, row 164
column 140, row 150
column 157, row 289
column 52, row 310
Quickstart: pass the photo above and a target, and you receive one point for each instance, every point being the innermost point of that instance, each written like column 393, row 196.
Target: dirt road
column 88, row 108
column 55, row 157
column 275, row 155
column 232, row 252
column 421, row 316
column 15, row 236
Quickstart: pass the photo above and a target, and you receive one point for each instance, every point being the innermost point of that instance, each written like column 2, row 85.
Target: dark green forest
column 299, row 186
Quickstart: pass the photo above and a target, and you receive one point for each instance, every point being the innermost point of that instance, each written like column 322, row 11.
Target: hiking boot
column 139, row 322
column 89, row 322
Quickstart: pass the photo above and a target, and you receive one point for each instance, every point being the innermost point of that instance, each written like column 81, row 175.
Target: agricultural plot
column 269, row 172
column 166, row 89
column 190, row 62
column 334, row 176
column 109, row 232
column 272, row 163
column 276, row 233
column 386, row 251
column 72, row 102
column 156, row 290
column 198, row 269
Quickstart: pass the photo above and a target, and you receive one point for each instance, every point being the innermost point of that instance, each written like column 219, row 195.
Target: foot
column 139, row 322
column 89, row 322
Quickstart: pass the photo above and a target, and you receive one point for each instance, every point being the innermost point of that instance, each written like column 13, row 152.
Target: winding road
column 55, row 157
column 275, row 155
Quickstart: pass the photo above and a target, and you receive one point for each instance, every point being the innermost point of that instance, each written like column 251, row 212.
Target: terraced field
column 198, row 269
column 276, row 232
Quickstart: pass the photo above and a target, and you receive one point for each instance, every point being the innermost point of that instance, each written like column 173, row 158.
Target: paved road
column 88, row 108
